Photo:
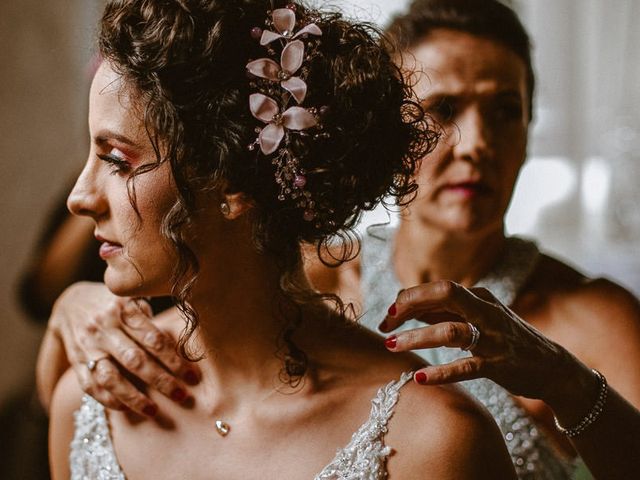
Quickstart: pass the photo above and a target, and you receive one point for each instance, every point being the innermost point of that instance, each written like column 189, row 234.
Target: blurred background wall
column 44, row 53
column 578, row 194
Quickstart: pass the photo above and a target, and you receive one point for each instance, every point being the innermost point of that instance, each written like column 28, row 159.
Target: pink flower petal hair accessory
column 290, row 62
column 284, row 21
column 278, row 102
column 266, row 109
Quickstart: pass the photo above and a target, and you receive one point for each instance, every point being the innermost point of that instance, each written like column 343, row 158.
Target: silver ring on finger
column 92, row 364
column 475, row 336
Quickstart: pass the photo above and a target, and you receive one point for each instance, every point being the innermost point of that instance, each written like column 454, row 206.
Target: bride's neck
column 241, row 321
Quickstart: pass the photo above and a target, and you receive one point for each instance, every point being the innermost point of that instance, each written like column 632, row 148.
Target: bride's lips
column 108, row 248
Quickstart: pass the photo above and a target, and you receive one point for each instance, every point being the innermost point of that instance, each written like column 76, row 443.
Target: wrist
column 576, row 394
column 593, row 414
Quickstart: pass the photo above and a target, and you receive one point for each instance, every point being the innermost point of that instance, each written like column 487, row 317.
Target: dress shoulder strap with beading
column 365, row 457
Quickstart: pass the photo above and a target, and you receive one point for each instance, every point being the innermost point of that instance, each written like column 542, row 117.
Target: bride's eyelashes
column 116, row 159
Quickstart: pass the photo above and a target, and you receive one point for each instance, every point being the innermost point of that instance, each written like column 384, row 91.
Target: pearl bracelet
column 593, row 414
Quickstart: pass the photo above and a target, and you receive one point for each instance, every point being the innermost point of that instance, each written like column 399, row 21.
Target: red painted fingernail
column 150, row 410
column 178, row 394
column 391, row 341
column 383, row 326
column 191, row 377
column 392, row 310
column 420, row 378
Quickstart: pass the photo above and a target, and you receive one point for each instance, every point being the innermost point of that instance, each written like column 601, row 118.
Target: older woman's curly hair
column 186, row 62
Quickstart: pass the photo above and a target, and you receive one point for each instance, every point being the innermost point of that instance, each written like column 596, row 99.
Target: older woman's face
column 139, row 260
column 476, row 90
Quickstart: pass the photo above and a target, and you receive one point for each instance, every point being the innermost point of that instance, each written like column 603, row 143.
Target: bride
column 223, row 135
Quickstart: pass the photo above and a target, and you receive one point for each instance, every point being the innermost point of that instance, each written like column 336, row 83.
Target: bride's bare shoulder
column 441, row 431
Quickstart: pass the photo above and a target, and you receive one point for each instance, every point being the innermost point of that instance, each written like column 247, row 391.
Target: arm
column 609, row 318
column 525, row 362
column 65, row 401
column 90, row 323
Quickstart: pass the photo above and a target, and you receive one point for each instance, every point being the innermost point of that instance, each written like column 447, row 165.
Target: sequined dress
column 530, row 451
column 93, row 457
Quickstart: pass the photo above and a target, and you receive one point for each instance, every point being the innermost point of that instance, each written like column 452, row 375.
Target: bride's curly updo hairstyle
column 186, row 62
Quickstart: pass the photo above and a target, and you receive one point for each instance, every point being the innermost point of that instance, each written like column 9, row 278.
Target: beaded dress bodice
column 93, row 457
column 530, row 452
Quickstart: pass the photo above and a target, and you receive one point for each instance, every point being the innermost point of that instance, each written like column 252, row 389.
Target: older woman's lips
column 467, row 189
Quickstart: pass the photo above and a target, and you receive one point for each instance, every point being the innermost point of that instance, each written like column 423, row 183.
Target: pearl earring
column 225, row 209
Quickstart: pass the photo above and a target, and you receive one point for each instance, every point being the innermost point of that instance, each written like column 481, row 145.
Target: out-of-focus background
column 578, row 194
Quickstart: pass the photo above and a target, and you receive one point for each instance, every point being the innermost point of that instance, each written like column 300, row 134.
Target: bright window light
column 543, row 182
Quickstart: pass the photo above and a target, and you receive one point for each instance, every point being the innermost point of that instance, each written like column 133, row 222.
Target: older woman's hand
column 506, row 349
column 111, row 343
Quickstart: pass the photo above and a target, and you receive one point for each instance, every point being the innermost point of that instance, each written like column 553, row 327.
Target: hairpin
column 282, row 111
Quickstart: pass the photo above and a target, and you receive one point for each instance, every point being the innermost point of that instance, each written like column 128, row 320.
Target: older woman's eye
column 507, row 111
column 443, row 110
column 117, row 160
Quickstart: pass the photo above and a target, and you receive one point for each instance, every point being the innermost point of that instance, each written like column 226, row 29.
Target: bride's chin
column 124, row 285
column 126, row 281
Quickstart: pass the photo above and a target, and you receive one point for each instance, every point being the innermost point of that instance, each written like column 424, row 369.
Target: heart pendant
column 222, row 428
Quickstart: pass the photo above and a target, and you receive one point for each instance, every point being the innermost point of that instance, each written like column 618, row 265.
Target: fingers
column 138, row 326
column 133, row 359
column 107, row 385
column 103, row 335
column 457, row 371
column 91, row 387
column 484, row 294
column 437, row 301
column 447, row 334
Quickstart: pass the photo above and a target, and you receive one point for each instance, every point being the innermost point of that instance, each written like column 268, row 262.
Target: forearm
column 608, row 445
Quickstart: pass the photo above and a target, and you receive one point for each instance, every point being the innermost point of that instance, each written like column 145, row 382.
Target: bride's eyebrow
column 105, row 135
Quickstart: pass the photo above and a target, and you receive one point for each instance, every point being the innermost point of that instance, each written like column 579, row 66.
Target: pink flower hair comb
column 283, row 112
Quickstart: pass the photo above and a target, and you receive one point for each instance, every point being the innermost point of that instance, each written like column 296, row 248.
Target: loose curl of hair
column 185, row 60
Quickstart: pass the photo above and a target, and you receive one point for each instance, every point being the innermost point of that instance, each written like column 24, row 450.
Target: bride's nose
column 87, row 197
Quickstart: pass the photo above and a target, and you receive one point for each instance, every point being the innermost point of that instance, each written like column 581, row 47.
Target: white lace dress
column 532, row 456
column 93, row 457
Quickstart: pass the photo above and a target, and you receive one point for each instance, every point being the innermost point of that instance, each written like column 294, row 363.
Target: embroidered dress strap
column 365, row 457
column 92, row 455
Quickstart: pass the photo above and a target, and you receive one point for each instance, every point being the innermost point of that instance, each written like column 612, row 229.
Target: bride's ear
column 234, row 205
